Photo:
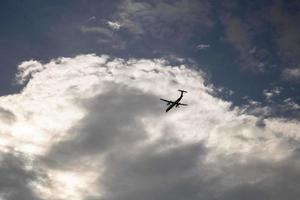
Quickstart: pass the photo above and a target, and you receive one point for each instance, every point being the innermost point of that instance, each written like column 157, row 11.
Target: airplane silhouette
column 173, row 103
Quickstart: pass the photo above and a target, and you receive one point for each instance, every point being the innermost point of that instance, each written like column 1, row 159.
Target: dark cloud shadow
column 181, row 172
column 7, row 116
column 15, row 178
column 113, row 119
column 149, row 173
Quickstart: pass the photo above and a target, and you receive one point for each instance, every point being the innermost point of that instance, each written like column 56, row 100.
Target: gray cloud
column 203, row 46
column 291, row 74
column 95, row 29
column 287, row 38
column 286, row 108
column 151, row 174
column 182, row 173
column 7, row 116
column 271, row 180
column 112, row 121
column 149, row 24
column 105, row 36
column 289, row 31
column 163, row 19
column 264, row 34
column 15, row 178
column 239, row 33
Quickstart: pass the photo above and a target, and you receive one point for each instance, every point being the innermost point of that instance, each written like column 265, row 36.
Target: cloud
column 7, row 116
column 121, row 108
column 97, row 130
column 114, row 25
column 152, row 26
column 291, row 74
column 287, row 38
column 105, row 35
column 238, row 32
column 271, row 93
column 92, row 18
column 16, row 178
column 27, row 69
column 96, row 29
column 140, row 17
column 287, row 29
column 172, row 174
column 253, row 31
column 264, row 35
column 203, row 46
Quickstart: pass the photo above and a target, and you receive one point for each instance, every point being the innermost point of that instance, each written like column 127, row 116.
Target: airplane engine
column 168, row 103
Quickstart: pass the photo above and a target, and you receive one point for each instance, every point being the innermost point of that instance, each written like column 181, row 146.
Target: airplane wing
column 182, row 104
column 167, row 101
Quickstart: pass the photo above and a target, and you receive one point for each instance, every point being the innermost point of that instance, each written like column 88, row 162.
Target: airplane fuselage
column 175, row 103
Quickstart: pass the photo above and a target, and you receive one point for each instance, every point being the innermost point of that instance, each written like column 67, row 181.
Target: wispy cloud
column 96, row 29
column 105, row 35
column 162, row 18
column 271, row 93
column 7, row 116
column 114, row 25
column 238, row 33
column 287, row 38
column 203, row 46
column 291, row 74
column 154, row 25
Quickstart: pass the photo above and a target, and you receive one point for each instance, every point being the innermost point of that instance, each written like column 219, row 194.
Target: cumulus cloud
column 95, row 127
column 27, row 69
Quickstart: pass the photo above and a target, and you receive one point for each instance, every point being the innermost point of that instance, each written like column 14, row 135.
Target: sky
column 80, row 110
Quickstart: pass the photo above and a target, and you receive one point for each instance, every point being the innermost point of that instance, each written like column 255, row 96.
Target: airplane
column 175, row 103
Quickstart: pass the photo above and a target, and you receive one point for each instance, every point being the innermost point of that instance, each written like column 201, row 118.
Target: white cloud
column 114, row 25
column 28, row 68
column 98, row 121
column 271, row 93
column 291, row 74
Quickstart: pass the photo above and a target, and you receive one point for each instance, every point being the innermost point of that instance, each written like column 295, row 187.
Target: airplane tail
column 182, row 91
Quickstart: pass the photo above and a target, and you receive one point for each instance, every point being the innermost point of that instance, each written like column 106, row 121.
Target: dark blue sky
column 250, row 48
